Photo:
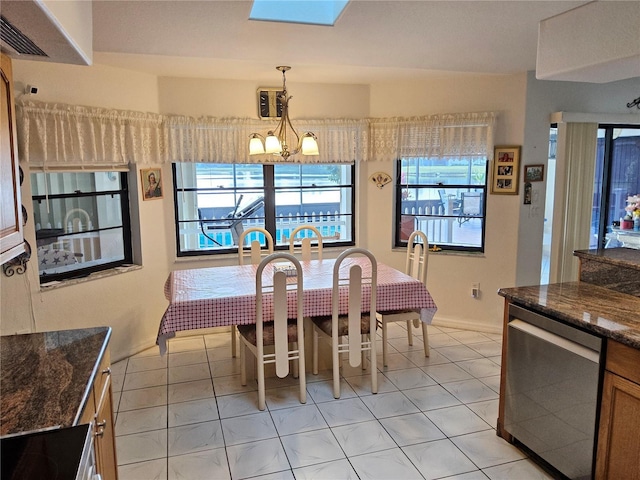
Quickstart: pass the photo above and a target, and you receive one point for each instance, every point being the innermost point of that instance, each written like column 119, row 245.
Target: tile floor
column 186, row 416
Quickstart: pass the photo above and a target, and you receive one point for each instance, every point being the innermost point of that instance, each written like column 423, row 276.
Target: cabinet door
column 11, row 236
column 618, row 454
column 104, row 434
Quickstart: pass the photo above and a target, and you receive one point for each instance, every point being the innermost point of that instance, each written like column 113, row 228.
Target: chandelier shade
column 283, row 140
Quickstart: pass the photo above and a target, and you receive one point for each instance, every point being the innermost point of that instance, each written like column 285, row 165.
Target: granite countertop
column 45, row 378
column 624, row 257
column 597, row 309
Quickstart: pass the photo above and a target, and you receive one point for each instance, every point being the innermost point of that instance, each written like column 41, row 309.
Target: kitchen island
column 604, row 304
column 59, row 379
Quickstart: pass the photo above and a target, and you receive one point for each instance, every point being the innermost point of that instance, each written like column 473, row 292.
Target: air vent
column 17, row 40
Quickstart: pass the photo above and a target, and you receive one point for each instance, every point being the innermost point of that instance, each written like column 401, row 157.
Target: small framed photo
column 151, row 179
column 506, row 166
column 533, row 173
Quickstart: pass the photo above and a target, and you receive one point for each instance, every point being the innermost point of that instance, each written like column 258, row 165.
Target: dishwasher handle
column 552, row 338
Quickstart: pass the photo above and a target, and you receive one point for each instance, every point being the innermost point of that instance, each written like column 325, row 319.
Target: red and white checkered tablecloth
column 219, row 296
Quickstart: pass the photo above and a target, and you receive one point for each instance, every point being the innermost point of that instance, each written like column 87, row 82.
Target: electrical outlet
column 475, row 290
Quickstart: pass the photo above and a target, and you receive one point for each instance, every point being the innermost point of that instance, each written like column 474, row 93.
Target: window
column 443, row 197
column 617, row 177
column 216, row 202
column 82, row 223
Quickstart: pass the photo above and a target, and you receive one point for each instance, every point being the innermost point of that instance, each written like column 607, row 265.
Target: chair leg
column 261, row 394
column 335, row 356
column 295, row 362
column 409, row 333
column 363, row 359
column 373, row 364
column 303, row 376
column 243, row 363
column 425, row 337
column 233, row 341
column 315, row 351
column 385, row 347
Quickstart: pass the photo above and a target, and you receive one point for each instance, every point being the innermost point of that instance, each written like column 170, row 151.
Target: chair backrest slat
column 279, row 286
column 417, row 256
column 307, row 248
column 355, row 277
column 255, row 251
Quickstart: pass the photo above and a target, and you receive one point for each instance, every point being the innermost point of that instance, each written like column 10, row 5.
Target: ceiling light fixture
column 278, row 141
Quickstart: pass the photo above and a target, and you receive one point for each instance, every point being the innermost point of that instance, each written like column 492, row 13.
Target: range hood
column 47, row 30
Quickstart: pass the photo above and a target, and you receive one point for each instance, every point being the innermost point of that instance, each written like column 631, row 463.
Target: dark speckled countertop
column 623, row 257
column 45, row 378
column 597, row 309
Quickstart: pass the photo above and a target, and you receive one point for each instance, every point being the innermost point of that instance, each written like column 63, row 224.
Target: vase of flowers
column 632, row 213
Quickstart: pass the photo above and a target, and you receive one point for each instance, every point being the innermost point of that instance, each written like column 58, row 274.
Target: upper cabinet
column 11, row 236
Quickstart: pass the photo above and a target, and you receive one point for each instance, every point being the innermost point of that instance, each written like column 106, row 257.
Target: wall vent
column 17, row 40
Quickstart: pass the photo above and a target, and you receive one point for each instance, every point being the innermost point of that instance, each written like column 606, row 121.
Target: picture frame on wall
column 533, row 173
column 506, row 167
column 151, row 180
column 269, row 103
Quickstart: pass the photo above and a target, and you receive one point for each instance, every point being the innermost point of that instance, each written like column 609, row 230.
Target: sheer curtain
column 69, row 137
column 576, row 156
column 57, row 136
column 463, row 134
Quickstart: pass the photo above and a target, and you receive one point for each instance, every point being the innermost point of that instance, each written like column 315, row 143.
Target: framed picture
column 151, row 179
column 269, row 105
column 533, row 173
column 506, row 166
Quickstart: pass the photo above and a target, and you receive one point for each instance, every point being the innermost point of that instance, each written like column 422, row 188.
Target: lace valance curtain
column 226, row 140
column 61, row 136
column 57, row 136
column 463, row 134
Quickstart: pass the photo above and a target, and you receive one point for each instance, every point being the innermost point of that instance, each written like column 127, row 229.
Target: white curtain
column 69, row 137
column 462, row 134
column 575, row 171
column 56, row 136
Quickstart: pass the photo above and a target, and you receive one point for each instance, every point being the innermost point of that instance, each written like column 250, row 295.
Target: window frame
column 398, row 242
column 603, row 180
column 127, row 243
column 269, row 189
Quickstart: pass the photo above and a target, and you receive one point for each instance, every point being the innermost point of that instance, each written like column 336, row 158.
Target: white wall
column 543, row 99
column 132, row 303
column 451, row 275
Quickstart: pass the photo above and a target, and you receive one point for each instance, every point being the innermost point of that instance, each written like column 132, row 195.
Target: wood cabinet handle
column 106, row 371
column 101, row 424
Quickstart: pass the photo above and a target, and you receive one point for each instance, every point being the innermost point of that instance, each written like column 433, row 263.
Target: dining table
column 226, row 295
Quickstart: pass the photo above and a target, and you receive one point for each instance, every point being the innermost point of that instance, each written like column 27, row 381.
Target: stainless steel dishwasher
column 551, row 395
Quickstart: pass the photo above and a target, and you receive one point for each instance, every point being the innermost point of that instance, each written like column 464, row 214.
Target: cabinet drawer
column 623, row 360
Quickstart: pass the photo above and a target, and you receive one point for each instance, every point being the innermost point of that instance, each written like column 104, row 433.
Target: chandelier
column 284, row 140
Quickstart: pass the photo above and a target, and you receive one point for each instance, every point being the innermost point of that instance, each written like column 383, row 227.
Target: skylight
column 316, row 12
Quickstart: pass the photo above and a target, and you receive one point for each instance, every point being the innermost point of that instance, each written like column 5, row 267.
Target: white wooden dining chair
column 306, row 246
column 353, row 333
column 251, row 256
column 416, row 265
column 279, row 333
column 255, row 253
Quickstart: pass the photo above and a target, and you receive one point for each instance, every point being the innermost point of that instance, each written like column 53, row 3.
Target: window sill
column 454, row 253
column 45, row 287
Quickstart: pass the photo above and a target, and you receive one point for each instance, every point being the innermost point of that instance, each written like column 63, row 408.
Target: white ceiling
column 372, row 40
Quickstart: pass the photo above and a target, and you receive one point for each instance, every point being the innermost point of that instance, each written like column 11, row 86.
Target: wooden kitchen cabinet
column 618, row 451
column 99, row 410
column 11, row 235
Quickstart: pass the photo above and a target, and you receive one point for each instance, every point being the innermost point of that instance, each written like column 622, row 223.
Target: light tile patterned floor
column 186, row 416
